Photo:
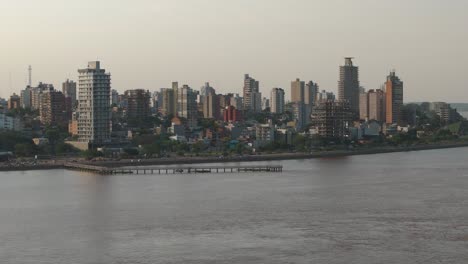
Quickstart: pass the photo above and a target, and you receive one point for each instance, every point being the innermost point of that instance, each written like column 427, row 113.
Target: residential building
column 211, row 108
column 14, row 102
column 264, row 134
column 231, row 114
column 277, row 100
column 363, row 106
column 115, row 97
column 297, row 91
column 348, row 85
column 251, row 90
column 10, row 123
column 300, row 115
column 376, row 105
column 236, row 101
column 205, row 90
column 394, row 98
column 69, row 91
column 52, row 110
column 25, row 97
column 310, row 93
column 331, row 119
column 265, row 103
column 187, row 105
column 167, row 106
column 94, row 113
column 138, row 104
column 36, row 93
column 256, row 106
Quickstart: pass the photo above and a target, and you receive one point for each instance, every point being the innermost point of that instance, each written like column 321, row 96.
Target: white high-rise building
column 277, row 100
column 94, row 125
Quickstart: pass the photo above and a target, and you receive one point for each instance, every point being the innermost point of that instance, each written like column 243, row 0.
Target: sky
column 150, row 43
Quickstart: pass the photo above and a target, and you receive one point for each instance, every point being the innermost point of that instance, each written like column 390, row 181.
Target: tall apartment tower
column 297, row 91
column 69, row 90
column 187, row 105
column 167, row 105
column 310, row 93
column 52, row 110
column 175, row 92
column 211, row 107
column 394, row 98
column 277, row 100
column 94, row 125
column 251, row 91
column 348, row 85
column 377, row 105
column 138, row 104
column 363, row 105
column 25, row 100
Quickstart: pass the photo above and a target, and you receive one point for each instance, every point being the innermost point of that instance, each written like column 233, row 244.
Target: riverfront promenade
column 60, row 164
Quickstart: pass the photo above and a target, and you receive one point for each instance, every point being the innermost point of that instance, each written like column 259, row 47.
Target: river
column 409, row 207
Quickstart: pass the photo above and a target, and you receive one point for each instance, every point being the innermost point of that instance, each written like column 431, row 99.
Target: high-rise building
column 363, row 106
column 251, row 90
column 206, row 89
column 300, row 115
column 310, row 93
column 115, row 97
column 376, row 105
column 372, row 105
column 187, row 105
column 36, row 93
column 236, row 101
column 331, row 119
column 265, row 103
column 211, row 107
column 14, row 102
column 69, row 90
column 348, row 85
column 138, row 104
column 277, row 100
column 167, row 106
column 94, row 113
column 394, row 98
column 256, row 105
column 175, row 92
column 53, row 108
column 25, row 100
column 297, row 91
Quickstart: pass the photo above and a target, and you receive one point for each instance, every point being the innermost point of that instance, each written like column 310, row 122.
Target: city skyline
column 203, row 43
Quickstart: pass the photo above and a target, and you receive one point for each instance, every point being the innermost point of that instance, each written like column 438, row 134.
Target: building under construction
column 331, row 119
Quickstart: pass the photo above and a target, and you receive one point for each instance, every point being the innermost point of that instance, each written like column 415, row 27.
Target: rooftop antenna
column 30, row 75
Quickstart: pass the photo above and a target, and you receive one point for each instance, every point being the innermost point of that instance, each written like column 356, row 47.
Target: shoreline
column 252, row 158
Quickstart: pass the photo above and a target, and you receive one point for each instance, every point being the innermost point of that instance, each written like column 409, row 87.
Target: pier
column 174, row 170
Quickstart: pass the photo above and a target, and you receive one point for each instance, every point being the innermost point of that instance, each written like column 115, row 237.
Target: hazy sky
column 149, row 43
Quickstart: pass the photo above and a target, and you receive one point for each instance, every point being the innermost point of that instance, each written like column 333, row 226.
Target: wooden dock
column 174, row 170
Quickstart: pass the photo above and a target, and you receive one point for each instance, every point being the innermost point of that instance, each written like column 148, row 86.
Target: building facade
column 251, row 90
column 376, row 105
column 138, row 104
column 94, row 113
column 187, row 105
column 53, row 110
column 332, row 119
column 69, row 91
column 348, row 85
column 394, row 98
column 277, row 100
